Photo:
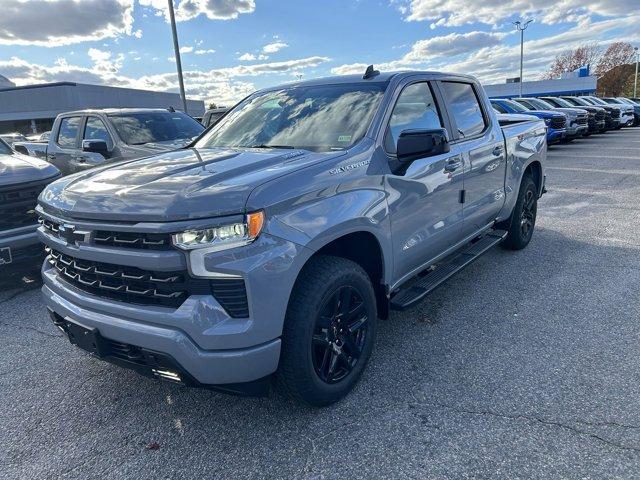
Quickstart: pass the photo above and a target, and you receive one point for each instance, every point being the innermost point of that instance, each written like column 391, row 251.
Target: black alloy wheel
column 339, row 335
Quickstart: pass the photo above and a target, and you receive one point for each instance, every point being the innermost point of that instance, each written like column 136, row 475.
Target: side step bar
column 415, row 291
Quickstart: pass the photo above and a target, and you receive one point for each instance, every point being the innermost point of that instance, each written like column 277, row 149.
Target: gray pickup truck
column 22, row 179
column 269, row 248
column 87, row 138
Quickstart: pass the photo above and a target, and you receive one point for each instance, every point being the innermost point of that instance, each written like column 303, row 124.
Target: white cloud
column 50, row 23
column 186, row 49
column 247, row 57
column 494, row 63
column 223, row 85
column 462, row 12
column 204, row 51
column 274, row 47
column 212, row 9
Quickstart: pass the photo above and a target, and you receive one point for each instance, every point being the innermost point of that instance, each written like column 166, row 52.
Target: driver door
column 424, row 195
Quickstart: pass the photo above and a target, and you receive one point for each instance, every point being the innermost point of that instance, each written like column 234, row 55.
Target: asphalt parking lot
column 525, row 365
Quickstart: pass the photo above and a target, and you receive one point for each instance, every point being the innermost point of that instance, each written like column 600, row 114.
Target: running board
column 415, row 291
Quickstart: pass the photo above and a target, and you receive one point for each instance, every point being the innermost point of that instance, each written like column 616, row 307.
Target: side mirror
column 413, row 144
column 95, row 146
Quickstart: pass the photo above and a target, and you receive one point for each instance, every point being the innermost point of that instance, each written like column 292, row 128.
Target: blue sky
column 232, row 47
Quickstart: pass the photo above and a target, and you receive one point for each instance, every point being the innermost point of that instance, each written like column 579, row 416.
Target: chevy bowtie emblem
column 72, row 236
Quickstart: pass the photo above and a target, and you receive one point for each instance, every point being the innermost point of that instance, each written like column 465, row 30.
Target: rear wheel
column 329, row 331
column 523, row 218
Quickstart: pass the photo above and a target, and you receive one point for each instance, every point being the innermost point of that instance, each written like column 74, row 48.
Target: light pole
column 176, row 48
column 635, row 83
column 521, row 28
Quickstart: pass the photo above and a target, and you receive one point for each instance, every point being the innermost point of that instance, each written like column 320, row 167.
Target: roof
column 40, row 85
column 382, row 77
column 119, row 111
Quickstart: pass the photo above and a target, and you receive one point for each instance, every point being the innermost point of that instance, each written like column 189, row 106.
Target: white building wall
column 562, row 86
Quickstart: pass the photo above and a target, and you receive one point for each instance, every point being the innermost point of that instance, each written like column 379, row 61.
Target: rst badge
column 5, row 256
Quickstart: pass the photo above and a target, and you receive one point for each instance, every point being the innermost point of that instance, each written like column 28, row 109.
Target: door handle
column 80, row 158
column 51, row 156
column 497, row 151
column 452, row 166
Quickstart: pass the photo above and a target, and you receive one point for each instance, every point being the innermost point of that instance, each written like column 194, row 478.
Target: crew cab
column 613, row 120
column 556, row 122
column 269, row 248
column 22, row 178
column 87, row 138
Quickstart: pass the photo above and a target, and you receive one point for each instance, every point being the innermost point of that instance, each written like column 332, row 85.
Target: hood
column 180, row 185
column 573, row 112
column 546, row 113
column 160, row 147
column 17, row 168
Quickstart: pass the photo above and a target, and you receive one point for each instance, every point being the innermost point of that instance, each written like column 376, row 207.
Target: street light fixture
column 176, row 48
column 521, row 28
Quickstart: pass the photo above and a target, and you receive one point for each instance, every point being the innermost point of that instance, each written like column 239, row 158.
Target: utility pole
column 176, row 48
column 635, row 83
column 521, row 28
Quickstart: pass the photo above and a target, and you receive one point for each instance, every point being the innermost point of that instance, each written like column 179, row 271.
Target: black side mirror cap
column 95, row 146
column 414, row 144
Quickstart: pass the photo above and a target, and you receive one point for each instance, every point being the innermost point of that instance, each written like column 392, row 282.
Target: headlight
column 547, row 121
column 222, row 237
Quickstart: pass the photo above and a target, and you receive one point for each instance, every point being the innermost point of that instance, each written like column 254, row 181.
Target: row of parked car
column 571, row 117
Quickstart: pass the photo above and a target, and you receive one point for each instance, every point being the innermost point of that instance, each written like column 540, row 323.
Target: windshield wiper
column 273, row 146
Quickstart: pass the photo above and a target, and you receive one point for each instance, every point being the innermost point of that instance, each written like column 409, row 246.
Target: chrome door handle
column 452, row 166
column 51, row 156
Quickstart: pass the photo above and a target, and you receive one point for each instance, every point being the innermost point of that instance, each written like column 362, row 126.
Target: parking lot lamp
column 176, row 48
column 521, row 28
column 635, row 82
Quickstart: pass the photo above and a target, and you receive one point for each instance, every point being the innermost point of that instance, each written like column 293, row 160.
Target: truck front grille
column 599, row 116
column 137, row 286
column 145, row 241
column 18, row 203
column 558, row 123
column 582, row 120
column 615, row 114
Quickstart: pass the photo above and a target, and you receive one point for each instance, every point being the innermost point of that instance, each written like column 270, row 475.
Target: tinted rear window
column 153, row 127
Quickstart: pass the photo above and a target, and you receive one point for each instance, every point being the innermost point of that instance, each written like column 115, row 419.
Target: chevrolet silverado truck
column 596, row 120
column 578, row 120
column 85, row 139
column 22, row 178
column 628, row 113
column 556, row 122
column 613, row 114
column 270, row 247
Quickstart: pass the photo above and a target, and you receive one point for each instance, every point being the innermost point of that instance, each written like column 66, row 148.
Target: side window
column 465, row 107
column 68, row 132
column 498, row 107
column 415, row 109
column 95, row 130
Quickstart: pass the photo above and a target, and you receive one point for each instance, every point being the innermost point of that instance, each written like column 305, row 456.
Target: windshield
column 596, row 101
column 318, row 118
column 152, row 127
column 541, row 104
column 516, row 106
column 4, row 148
column 571, row 102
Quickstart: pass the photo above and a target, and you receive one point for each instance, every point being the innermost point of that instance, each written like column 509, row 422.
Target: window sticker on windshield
column 344, row 138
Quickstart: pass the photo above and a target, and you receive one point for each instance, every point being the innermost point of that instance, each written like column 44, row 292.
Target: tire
column 314, row 339
column 526, row 208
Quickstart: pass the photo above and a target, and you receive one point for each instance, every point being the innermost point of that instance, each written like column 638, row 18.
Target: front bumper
column 554, row 135
column 22, row 246
column 207, row 342
column 208, row 367
column 575, row 130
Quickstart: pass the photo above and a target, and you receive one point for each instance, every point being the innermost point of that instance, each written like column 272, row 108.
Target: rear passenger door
column 65, row 146
column 481, row 145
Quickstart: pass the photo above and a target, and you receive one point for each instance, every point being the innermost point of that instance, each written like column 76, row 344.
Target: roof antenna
column 370, row 73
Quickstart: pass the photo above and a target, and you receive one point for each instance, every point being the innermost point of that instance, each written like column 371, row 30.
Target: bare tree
column 615, row 70
column 570, row 60
column 212, row 106
column 618, row 53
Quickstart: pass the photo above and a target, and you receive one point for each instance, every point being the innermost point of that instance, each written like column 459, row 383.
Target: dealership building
column 32, row 108
column 579, row 82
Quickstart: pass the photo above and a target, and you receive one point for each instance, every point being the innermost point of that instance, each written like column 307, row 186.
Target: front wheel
column 329, row 331
column 523, row 218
